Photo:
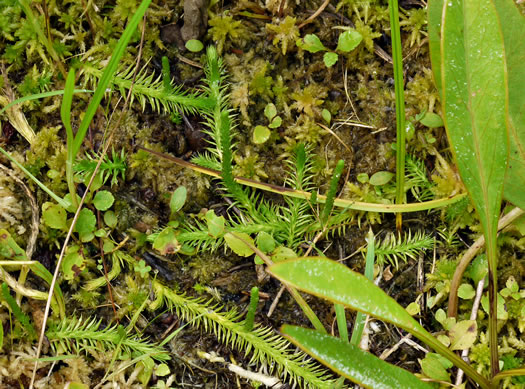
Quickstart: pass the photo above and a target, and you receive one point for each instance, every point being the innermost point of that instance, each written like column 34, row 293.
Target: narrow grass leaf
column 108, row 74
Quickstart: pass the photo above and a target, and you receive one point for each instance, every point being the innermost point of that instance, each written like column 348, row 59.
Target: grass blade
column 397, row 56
column 108, row 74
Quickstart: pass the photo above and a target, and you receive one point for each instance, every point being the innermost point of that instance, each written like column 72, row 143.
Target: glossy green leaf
column 350, row 361
column 512, row 24
column 475, row 104
column 435, row 12
column 335, row 282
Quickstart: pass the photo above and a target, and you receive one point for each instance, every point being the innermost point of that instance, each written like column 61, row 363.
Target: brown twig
column 314, row 15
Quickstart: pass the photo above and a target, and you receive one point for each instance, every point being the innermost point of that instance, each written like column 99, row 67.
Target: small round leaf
column 432, row 120
column 270, row 111
column 178, row 199
column 110, row 219
column 466, row 291
column 330, row 59
column 261, row 134
column 327, row 116
column 381, row 178
column 54, row 216
column 276, row 122
column 349, row 40
column 86, row 222
column 237, row 245
column 194, row 45
column 103, row 200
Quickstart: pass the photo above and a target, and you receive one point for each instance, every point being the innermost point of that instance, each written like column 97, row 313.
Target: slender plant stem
column 360, row 320
column 341, row 203
column 397, row 56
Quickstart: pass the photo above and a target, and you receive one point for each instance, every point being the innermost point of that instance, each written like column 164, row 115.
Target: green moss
column 309, row 99
column 249, row 165
column 286, row 32
column 224, row 27
column 206, row 267
column 414, row 21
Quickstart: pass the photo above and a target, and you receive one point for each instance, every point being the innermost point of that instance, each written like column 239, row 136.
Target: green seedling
column 262, row 133
column 348, row 40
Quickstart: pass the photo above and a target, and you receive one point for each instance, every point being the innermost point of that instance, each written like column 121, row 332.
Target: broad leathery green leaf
column 512, row 25
column 475, row 105
column 335, row 282
column 350, row 361
column 475, row 101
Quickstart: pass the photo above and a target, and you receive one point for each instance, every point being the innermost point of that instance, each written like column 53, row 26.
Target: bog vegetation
column 248, row 194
